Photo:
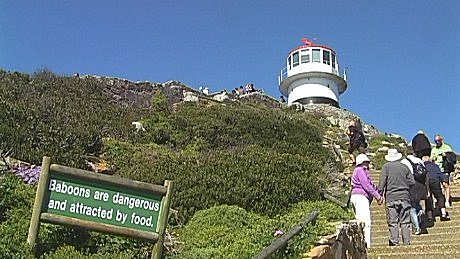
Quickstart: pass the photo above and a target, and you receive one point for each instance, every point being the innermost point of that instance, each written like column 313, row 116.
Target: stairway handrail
column 282, row 241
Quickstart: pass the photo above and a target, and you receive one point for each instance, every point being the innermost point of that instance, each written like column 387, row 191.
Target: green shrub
column 376, row 142
column 62, row 117
column 253, row 178
column 15, row 194
column 259, row 159
column 222, row 232
column 232, row 232
column 67, row 251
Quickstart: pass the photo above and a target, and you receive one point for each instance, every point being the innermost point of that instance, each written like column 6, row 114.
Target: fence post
column 35, row 219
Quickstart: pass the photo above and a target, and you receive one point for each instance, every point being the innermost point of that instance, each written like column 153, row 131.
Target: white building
column 312, row 75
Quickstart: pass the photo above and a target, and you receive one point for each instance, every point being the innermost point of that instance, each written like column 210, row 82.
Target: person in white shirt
column 418, row 192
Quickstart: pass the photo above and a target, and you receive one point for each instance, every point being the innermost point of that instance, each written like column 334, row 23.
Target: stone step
column 416, row 255
column 381, row 214
column 410, row 249
column 438, row 228
column 383, row 222
column 442, row 240
column 377, row 208
column 424, row 239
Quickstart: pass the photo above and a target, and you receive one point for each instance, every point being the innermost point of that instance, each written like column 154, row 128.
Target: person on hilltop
column 362, row 193
column 357, row 140
column 438, row 155
column 418, row 191
column 282, row 101
column 395, row 181
column 421, row 145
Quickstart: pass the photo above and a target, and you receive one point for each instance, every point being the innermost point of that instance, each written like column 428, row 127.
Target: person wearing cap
column 395, row 181
column 362, row 193
column 421, row 145
column 438, row 154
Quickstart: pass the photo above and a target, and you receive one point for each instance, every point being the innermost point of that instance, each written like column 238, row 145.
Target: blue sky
column 403, row 57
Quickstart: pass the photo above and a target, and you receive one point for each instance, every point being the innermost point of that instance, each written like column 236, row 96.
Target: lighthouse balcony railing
column 284, row 74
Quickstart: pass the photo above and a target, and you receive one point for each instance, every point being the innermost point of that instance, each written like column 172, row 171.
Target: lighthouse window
column 295, row 59
column 316, row 55
column 305, row 56
column 333, row 60
column 289, row 61
column 326, row 57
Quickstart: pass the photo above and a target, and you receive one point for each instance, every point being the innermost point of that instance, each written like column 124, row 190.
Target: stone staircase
column 442, row 240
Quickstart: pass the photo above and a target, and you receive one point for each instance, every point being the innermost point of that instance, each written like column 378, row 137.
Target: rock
column 189, row 97
column 99, row 166
column 383, row 149
column 321, row 251
column 327, row 240
column 221, row 97
column 138, row 126
column 386, row 143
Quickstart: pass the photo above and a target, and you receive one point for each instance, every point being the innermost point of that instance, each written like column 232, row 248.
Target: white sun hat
column 393, row 155
column 361, row 158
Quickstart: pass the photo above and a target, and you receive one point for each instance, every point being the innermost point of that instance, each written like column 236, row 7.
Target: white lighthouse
column 312, row 75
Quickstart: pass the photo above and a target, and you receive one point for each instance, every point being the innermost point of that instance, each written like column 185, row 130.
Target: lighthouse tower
column 312, row 75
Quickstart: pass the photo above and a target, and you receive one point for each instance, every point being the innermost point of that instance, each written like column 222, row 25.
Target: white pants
column 363, row 213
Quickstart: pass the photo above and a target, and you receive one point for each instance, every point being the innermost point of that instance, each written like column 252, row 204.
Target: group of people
column 404, row 182
column 246, row 89
column 237, row 91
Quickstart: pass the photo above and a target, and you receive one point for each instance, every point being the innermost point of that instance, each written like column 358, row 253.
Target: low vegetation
column 240, row 172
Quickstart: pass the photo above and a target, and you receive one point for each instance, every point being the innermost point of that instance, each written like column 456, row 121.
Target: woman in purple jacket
column 362, row 193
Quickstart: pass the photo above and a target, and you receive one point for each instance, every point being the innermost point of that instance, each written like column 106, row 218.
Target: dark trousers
column 436, row 191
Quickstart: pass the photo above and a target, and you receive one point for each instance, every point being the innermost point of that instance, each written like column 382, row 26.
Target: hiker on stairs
column 395, row 180
column 421, row 145
column 418, row 192
column 357, row 139
column 362, row 193
column 436, row 177
column 438, row 155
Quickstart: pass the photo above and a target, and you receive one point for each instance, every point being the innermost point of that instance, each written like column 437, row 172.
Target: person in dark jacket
column 357, row 139
column 436, row 177
column 421, row 145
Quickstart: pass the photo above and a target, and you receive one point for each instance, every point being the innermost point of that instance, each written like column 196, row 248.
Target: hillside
column 265, row 163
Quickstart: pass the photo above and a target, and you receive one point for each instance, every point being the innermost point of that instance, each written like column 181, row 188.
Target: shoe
column 445, row 217
column 392, row 244
column 430, row 223
column 424, row 231
column 418, row 232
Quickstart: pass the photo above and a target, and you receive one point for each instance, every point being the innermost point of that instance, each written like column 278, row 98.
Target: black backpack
column 357, row 136
column 419, row 170
column 449, row 161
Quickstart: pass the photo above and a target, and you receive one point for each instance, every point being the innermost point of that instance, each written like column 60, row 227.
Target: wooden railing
column 282, row 241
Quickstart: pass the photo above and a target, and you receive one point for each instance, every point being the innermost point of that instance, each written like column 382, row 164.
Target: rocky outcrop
column 348, row 242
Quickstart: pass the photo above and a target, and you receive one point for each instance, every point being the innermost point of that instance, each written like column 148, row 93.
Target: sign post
column 120, row 206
